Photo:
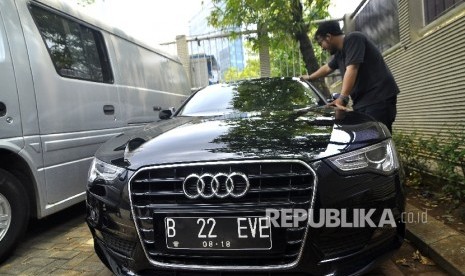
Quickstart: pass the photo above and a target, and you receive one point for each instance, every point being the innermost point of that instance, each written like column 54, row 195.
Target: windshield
column 273, row 94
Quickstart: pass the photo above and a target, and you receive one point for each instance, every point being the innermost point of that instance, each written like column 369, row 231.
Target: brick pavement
column 59, row 245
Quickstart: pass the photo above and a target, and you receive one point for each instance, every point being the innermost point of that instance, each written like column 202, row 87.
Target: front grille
column 273, row 184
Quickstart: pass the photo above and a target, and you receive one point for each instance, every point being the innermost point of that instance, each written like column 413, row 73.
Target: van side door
column 10, row 117
column 146, row 83
column 77, row 103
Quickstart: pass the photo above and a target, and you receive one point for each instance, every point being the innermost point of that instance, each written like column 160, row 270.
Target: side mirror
column 166, row 113
column 335, row 95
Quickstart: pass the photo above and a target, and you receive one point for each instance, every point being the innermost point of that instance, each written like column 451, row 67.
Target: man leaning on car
column 366, row 77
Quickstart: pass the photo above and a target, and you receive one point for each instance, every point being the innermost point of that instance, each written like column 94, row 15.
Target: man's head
column 329, row 36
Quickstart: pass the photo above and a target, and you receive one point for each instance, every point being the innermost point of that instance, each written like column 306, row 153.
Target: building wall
column 429, row 67
column 228, row 52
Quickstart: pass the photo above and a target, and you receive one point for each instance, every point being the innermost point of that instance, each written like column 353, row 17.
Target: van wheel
column 14, row 212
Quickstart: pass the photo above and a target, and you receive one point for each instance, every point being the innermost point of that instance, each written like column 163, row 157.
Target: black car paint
column 309, row 136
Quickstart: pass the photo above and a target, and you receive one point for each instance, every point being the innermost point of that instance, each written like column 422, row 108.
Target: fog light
column 94, row 213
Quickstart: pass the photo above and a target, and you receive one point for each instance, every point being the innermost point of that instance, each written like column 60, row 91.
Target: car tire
column 14, row 212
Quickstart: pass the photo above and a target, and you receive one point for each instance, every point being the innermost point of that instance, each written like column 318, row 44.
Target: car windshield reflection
column 285, row 94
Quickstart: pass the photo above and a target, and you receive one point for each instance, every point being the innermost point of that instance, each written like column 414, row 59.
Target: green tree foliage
column 272, row 95
column 284, row 21
column 441, row 155
column 251, row 70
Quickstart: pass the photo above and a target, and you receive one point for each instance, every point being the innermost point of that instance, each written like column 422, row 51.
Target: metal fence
column 220, row 57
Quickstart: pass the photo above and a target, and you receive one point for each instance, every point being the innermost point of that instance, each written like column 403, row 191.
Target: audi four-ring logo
column 219, row 185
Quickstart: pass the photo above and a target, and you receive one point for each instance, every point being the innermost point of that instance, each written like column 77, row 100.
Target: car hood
column 307, row 135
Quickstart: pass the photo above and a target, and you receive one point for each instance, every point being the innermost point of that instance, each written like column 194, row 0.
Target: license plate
column 218, row 233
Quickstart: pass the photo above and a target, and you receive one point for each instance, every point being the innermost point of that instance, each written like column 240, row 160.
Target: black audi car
column 256, row 177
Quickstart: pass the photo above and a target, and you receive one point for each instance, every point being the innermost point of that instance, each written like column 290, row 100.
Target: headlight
column 104, row 171
column 381, row 158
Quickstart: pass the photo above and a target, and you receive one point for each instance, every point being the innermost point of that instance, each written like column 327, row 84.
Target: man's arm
column 348, row 82
column 323, row 71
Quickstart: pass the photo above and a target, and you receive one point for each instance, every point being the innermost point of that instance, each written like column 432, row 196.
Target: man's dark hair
column 328, row 27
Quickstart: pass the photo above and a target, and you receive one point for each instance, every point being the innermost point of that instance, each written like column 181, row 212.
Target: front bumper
column 340, row 251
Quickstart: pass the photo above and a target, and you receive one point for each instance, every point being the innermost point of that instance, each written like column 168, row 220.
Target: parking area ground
column 61, row 244
column 58, row 245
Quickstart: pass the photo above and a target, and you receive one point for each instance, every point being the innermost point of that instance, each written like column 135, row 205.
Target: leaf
column 416, row 255
column 403, row 262
column 426, row 261
column 422, row 259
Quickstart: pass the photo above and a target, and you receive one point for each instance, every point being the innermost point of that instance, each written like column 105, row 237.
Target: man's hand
column 338, row 103
column 323, row 71
column 305, row 77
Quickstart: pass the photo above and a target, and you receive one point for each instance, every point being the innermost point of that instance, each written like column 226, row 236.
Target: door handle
column 108, row 109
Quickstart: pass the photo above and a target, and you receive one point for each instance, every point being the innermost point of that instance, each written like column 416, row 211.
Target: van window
column 76, row 50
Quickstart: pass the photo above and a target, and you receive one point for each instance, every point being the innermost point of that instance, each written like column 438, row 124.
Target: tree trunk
column 311, row 63
column 264, row 51
column 306, row 47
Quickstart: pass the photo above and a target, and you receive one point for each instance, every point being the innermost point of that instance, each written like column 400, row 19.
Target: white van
column 67, row 84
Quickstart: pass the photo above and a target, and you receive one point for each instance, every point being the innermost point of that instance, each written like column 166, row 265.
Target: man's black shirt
column 374, row 82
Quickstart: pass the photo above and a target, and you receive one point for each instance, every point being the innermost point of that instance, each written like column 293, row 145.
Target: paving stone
column 48, row 236
column 72, row 247
column 91, row 266
column 16, row 259
column 42, row 245
column 85, row 248
column 60, row 239
column 31, row 270
column 70, row 227
column 79, row 233
column 38, row 253
column 48, row 269
column 12, row 269
column 82, row 240
column 65, row 272
column 77, row 260
column 65, row 254
column 63, row 247
column 37, row 261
